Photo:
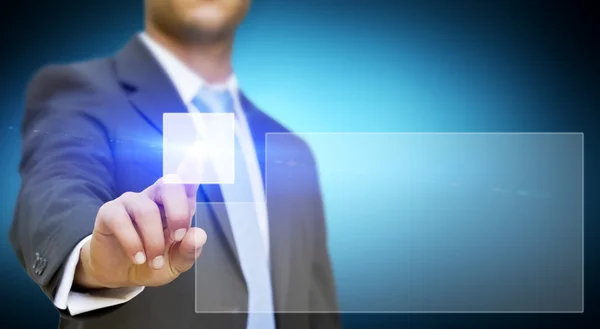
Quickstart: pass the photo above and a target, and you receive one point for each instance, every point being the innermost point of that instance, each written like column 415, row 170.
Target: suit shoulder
column 64, row 84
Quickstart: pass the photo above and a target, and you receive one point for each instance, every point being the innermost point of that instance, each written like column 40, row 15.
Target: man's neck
column 210, row 61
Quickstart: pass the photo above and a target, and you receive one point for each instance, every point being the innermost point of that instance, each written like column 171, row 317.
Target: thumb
column 185, row 254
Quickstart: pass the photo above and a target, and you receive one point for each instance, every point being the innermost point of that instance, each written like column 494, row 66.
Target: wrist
column 84, row 274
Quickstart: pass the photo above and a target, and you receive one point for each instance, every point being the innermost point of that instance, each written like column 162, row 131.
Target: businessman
column 114, row 245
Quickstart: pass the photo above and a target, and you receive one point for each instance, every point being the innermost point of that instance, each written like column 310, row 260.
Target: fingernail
column 179, row 234
column 199, row 239
column 140, row 258
column 158, row 262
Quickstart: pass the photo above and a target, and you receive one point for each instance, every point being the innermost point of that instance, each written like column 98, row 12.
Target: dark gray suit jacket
column 92, row 131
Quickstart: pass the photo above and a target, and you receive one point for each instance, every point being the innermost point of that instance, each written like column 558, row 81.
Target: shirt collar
column 187, row 82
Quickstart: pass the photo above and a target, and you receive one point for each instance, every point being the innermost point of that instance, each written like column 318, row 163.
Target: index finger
column 190, row 170
column 176, row 201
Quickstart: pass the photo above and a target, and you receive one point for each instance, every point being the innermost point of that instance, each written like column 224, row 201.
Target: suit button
column 37, row 260
column 39, row 265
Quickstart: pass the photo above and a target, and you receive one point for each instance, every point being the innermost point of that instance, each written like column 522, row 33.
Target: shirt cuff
column 78, row 303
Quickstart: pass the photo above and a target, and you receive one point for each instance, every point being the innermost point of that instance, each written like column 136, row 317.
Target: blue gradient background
column 328, row 65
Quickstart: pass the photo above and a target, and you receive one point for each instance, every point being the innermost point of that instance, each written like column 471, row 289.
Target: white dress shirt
column 187, row 83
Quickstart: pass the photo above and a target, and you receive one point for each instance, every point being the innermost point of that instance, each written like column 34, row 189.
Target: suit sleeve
column 66, row 172
column 323, row 297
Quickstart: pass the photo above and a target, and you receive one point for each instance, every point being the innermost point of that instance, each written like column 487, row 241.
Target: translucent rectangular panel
column 442, row 222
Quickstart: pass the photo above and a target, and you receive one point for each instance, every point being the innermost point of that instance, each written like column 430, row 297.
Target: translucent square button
column 198, row 148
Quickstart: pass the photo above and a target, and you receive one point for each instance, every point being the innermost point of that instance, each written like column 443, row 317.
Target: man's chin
column 208, row 22
column 208, row 15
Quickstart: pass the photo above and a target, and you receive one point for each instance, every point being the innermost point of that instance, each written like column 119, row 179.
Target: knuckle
column 146, row 210
column 141, row 207
column 105, row 210
column 116, row 221
column 109, row 213
column 127, row 195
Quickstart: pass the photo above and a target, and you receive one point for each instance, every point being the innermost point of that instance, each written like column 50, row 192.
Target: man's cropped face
column 203, row 20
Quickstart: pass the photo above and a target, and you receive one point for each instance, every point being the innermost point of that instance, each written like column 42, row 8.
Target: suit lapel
column 152, row 93
column 150, row 89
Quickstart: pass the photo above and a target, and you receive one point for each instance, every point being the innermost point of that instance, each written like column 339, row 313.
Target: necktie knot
column 213, row 101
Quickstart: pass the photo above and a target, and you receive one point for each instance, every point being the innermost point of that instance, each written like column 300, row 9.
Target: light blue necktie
column 244, row 224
